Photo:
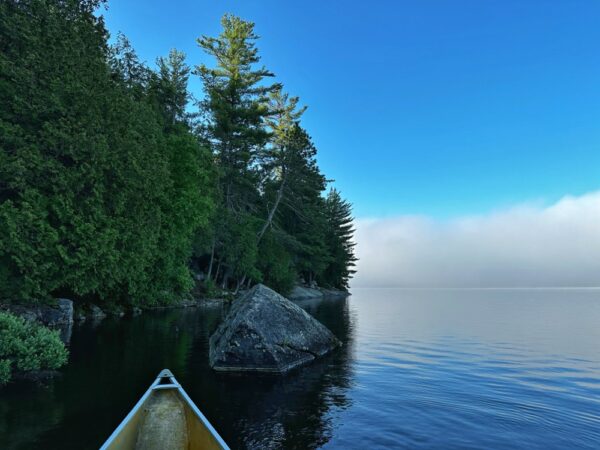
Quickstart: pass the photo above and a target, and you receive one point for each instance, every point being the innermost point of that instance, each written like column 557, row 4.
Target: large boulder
column 265, row 332
column 58, row 315
column 55, row 315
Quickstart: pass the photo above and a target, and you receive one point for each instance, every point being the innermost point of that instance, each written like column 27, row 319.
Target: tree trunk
column 212, row 258
column 217, row 272
column 240, row 283
column 225, row 279
column 267, row 224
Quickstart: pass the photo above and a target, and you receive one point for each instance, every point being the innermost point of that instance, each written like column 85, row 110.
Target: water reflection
column 296, row 411
column 26, row 413
column 113, row 362
column 419, row 369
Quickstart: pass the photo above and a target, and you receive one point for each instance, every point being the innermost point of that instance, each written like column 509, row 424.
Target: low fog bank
column 524, row 246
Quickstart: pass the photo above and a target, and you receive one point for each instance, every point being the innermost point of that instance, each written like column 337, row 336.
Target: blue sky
column 436, row 108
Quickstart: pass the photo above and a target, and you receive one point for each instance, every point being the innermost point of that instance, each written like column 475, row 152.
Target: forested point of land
column 116, row 185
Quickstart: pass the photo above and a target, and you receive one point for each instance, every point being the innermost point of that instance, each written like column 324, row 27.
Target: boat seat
column 163, row 426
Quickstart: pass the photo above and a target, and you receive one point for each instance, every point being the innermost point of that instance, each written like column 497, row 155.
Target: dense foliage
column 110, row 187
column 26, row 346
column 273, row 224
column 101, row 188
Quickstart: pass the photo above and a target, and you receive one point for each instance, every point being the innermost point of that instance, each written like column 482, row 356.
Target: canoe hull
column 165, row 418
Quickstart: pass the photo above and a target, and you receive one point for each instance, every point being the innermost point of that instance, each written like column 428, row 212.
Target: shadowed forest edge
column 118, row 188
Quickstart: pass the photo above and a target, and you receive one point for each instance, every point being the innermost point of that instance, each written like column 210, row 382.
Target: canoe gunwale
column 155, row 386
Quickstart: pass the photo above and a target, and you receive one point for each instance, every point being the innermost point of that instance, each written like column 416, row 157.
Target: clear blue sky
column 427, row 107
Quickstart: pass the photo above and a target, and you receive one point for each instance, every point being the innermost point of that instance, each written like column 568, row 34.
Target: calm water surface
column 419, row 369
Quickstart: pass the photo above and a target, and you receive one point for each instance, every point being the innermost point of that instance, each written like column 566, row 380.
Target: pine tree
column 170, row 88
column 340, row 241
column 235, row 108
column 280, row 157
column 301, row 212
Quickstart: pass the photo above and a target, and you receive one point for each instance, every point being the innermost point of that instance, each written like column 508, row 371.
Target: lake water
column 464, row 369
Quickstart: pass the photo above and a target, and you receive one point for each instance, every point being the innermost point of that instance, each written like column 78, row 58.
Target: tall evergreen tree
column 170, row 88
column 301, row 214
column 235, row 107
column 280, row 158
column 189, row 201
column 127, row 69
column 340, row 241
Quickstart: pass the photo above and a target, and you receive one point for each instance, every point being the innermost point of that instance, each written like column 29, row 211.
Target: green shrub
column 26, row 346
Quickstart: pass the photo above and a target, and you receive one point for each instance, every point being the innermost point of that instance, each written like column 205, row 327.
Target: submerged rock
column 265, row 332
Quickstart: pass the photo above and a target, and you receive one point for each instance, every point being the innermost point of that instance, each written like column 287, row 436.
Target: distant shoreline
column 516, row 288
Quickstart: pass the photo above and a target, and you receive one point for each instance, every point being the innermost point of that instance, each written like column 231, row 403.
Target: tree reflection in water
column 113, row 362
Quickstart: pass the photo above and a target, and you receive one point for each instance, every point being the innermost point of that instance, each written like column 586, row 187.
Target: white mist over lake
column 524, row 246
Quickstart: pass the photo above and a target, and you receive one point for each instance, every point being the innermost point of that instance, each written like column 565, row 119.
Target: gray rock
column 303, row 293
column 310, row 293
column 265, row 332
column 57, row 315
column 188, row 303
column 62, row 314
column 334, row 293
column 89, row 311
column 96, row 313
column 65, row 332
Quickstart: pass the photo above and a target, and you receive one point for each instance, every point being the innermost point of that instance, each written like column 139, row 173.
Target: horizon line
column 481, row 287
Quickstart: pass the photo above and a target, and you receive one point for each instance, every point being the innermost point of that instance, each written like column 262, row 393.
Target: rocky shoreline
column 305, row 292
column 61, row 314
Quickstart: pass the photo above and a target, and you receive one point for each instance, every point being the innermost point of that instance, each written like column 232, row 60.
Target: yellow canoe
column 165, row 418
